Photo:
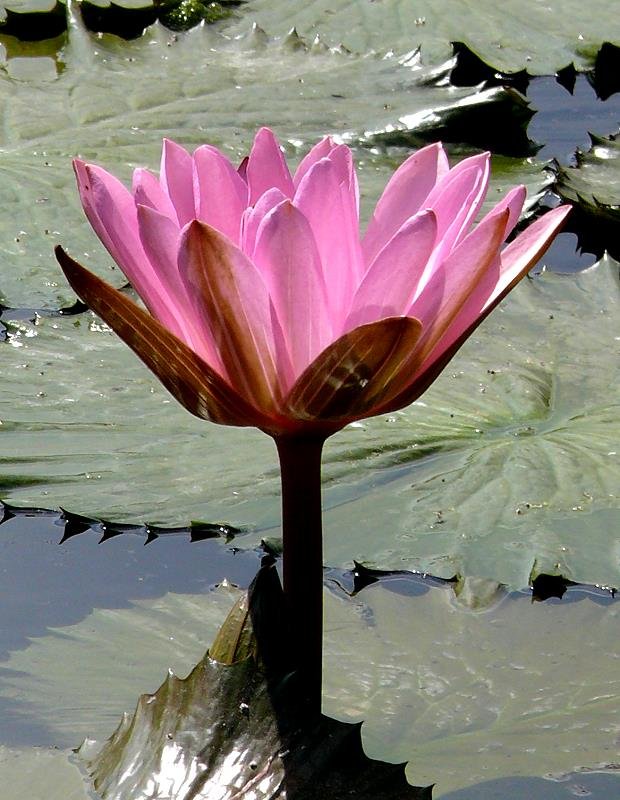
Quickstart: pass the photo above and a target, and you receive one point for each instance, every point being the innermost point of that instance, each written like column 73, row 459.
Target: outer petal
column 221, row 194
column 521, row 254
column 326, row 199
column 389, row 285
column 176, row 176
column 267, row 167
column 349, row 378
column 516, row 261
column 404, row 195
column 288, row 259
column 230, row 294
column 189, row 379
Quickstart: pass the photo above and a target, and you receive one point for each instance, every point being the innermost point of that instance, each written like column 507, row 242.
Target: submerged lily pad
column 463, row 692
column 40, row 772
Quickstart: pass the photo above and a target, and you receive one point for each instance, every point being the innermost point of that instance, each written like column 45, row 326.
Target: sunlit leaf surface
column 542, row 37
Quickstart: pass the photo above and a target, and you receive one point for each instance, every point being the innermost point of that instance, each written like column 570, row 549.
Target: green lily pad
column 510, row 36
column 593, row 186
column 509, row 462
column 512, row 688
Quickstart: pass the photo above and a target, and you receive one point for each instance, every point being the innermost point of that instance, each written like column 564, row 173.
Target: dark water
column 561, row 125
column 564, row 120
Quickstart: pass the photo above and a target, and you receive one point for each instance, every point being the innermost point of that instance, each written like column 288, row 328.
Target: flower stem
column 300, row 467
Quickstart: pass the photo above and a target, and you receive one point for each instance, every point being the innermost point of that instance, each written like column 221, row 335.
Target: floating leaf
column 593, row 186
column 510, row 36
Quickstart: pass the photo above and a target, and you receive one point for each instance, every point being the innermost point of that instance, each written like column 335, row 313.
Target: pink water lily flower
column 265, row 307
column 273, row 311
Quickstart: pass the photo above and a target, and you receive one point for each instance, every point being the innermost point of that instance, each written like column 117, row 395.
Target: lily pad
column 593, row 186
column 510, row 461
column 41, row 772
column 542, row 37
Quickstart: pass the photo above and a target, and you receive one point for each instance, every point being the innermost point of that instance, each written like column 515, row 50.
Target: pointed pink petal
column 459, row 197
column 254, row 215
column 148, row 191
column 522, row 254
column 267, row 167
column 111, row 211
column 288, row 259
column 525, row 252
column 454, row 281
column 176, row 177
column 456, row 202
column 349, row 378
column 319, row 151
column 160, row 238
column 230, row 294
column 221, row 194
column 329, row 204
column 513, row 201
column 404, row 195
column 186, row 376
column 388, row 287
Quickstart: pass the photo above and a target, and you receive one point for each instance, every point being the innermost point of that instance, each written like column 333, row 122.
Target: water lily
column 266, row 307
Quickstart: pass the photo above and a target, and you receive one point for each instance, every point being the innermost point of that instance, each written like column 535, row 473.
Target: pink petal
column 329, row 204
column 148, row 191
column 253, row 217
column 514, row 263
column 513, row 201
column 230, row 297
column 174, row 308
column 221, row 194
column 388, row 287
column 404, row 195
column 288, row 259
column 267, row 167
column 349, row 378
column 176, row 176
column 445, row 295
column 319, row 151
column 456, row 202
column 111, row 211
column 189, row 379
column 522, row 254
